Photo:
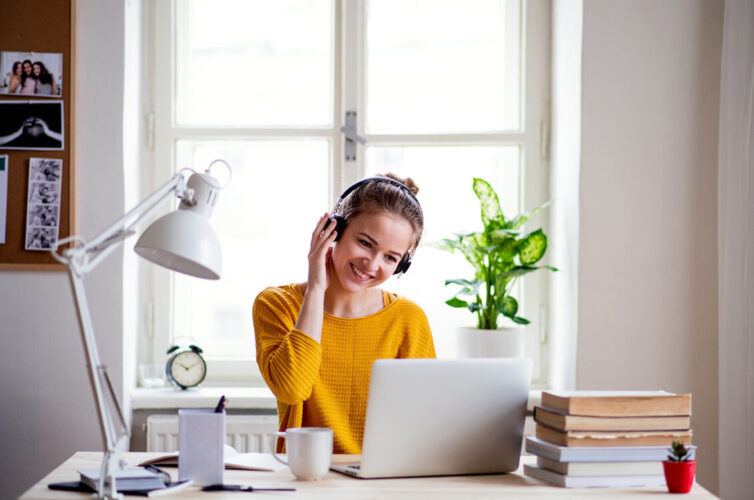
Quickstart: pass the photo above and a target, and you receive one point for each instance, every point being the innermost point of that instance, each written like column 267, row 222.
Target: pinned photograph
column 43, row 207
column 43, row 192
column 31, row 73
column 41, row 238
column 45, row 170
column 43, row 215
column 3, row 195
column 32, row 125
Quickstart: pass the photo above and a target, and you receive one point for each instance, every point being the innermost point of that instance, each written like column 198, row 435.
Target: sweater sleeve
column 288, row 359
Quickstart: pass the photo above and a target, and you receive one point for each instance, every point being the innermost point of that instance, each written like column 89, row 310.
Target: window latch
column 350, row 130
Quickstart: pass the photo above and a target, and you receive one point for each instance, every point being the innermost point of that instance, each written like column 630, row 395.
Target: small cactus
column 679, row 452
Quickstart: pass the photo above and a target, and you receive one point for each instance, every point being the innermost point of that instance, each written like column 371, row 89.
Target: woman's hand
column 313, row 307
column 319, row 253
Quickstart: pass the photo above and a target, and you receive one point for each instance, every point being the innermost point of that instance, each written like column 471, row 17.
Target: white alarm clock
column 185, row 366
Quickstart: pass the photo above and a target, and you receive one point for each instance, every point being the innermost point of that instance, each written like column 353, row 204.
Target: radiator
column 244, row 433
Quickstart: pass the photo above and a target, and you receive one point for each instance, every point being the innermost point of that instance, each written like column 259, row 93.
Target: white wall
column 47, row 410
column 648, row 251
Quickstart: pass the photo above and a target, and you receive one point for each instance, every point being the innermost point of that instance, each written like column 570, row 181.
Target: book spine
column 610, row 439
column 566, row 422
column 620, row 406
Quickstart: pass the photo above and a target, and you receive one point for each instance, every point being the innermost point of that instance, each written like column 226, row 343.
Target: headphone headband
column 353, row 187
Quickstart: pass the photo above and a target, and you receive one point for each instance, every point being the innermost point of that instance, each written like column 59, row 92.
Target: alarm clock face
column 187, row 369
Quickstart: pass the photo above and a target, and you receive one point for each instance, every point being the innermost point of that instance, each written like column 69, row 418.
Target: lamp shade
column 183, row 241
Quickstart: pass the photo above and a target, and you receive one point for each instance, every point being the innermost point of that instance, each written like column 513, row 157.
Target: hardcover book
column 592, row 481
column 617, row 403
column 567, row 422
column 607, row 438
column 652, row 468
column 133, row 479
column 541, row 448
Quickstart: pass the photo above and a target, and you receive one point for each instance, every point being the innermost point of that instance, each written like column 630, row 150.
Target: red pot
column 679, row 475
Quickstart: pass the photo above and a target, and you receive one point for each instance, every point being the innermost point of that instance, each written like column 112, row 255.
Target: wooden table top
column 336, row 485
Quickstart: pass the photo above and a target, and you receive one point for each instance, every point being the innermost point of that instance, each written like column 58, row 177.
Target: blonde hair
column 397, row 196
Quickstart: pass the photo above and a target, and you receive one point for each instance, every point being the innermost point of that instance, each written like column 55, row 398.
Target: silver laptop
column 431, row 417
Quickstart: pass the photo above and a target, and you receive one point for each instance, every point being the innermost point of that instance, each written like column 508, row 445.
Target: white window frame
column 348, row 82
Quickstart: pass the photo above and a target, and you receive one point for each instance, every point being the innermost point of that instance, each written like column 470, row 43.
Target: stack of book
column 596, row 438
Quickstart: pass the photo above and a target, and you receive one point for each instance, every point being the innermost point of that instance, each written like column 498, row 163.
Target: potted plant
column 500, row 254
column 679, row 468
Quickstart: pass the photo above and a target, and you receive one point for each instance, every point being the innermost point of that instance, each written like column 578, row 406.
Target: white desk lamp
column 182, row 240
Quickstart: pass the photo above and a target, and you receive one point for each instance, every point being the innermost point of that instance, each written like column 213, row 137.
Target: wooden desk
column 336, row 485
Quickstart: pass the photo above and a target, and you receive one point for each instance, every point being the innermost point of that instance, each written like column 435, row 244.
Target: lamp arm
column 83, row 258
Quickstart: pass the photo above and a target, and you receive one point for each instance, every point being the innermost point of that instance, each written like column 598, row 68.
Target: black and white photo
column 3, row 195
column 41, row 238
column 43, row 192
column 31, row 125
column 31, row 73
column 45, row 169
column 43, row 203
column 43, row 215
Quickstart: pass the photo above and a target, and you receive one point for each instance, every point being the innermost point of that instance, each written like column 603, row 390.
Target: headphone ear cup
column 403, row 265
column 340, row 225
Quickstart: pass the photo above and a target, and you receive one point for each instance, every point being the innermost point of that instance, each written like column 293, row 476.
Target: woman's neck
column 345, row 304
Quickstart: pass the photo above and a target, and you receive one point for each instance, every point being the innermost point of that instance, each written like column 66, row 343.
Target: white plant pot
column 500, row 343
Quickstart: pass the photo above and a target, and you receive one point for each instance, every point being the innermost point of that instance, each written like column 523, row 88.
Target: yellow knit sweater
column 326, row 385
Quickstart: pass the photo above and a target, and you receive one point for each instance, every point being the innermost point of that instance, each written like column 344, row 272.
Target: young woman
column 28, row 82
column 45, row 81
column 316, row 341
column 14, row 87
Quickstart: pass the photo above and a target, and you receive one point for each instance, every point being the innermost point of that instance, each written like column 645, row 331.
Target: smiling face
column 37, row 69
column 27, row 68
column 372, row 245
column 17, row 69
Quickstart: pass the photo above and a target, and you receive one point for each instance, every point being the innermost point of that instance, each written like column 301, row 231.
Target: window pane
column 264, row 220
column 444, row 176
column 435, row 66
column 254, row 63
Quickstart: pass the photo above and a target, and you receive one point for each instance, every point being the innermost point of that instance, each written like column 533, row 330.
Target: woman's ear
column 340, row 225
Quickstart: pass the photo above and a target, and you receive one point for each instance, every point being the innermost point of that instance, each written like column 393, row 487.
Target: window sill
column 202, row 397
column 238, row 398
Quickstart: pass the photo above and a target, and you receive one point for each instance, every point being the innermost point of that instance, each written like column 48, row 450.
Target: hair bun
column 408, row 182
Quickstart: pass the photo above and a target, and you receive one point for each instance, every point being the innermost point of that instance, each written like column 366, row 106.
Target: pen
column 236, row 487
column 220, row 405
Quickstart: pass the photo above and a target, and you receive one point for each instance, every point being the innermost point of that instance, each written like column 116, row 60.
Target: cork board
column 38, row 26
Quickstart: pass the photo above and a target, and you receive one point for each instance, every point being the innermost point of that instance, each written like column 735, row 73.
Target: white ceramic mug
column 309, row 450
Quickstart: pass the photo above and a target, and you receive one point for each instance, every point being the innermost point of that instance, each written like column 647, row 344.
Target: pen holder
column 201, row 437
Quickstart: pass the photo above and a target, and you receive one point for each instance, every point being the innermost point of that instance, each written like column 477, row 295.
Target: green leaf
column 461, row 282
column 521, row 321
column 509, row 307
column 518, row 271
column 456, row 302
column 489, row 201
column 468, row 287
column 533, row 247
column 446, row 245
column 519, row 220
column 474, row 307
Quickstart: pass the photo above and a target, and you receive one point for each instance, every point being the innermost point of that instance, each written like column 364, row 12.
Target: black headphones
column 340, row 220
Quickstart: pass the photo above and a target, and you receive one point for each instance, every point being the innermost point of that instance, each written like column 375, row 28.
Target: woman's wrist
column 314, row 292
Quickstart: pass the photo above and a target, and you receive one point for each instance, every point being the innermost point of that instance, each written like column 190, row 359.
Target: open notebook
column 233, row 460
